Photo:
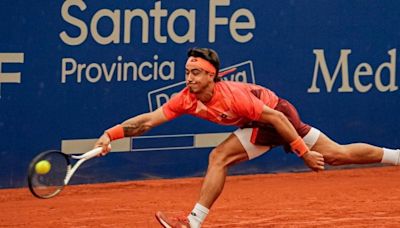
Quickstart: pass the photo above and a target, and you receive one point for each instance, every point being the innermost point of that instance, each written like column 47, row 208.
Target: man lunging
column 264, row 121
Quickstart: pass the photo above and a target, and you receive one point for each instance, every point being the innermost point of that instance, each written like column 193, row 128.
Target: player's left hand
column 314, row 160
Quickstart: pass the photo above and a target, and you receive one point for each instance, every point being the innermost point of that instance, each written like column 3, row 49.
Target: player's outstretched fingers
column 320, row 163
column 314, row 160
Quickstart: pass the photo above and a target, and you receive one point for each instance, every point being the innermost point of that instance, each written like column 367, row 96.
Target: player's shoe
column 178, row 222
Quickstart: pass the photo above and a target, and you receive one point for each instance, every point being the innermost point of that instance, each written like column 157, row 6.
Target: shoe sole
column 162, row 222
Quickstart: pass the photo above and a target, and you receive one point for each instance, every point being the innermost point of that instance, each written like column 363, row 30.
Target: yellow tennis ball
column 43, row 167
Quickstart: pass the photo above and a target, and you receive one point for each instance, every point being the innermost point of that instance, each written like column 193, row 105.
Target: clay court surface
column 368, row 197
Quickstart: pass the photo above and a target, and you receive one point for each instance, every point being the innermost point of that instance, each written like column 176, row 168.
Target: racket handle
column 92, row 153
column 82, row 158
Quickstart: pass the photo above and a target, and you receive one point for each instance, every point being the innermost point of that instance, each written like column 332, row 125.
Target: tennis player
column 264, row 121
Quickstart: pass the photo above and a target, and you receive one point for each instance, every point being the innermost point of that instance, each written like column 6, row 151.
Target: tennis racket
column 51, row 170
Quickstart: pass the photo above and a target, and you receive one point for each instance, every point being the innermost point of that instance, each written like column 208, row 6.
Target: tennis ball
column 42, row 167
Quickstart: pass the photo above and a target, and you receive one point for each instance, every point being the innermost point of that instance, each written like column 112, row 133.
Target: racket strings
column 49, row 178
column 46, row 185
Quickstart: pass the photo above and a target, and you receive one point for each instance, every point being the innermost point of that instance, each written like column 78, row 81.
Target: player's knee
column 217, row 158
column 336, row 156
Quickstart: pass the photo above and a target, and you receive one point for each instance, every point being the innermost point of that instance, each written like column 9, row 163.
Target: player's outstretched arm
column 134, row 126
column 140, row 124
column 313, row 159
column 280, row 123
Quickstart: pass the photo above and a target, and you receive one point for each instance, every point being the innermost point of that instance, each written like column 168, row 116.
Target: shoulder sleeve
column 247, row 104
column 174, row 107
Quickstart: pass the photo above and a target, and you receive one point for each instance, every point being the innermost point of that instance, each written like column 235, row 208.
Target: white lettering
column 97, row 75
column 129, row 14
column 169, row 66
column 74, row 21
column 114, row 35
column 190, row 17
column 234, row 24
column 72, row 71
column 363, row 70
column 163, row 22
column 10, row 77
column 10, row 58
column 163, row 98
column 108, row 74
column 65, row 71
column 158, row 13
column 239, row 76
column 391, row 66
column 80, row 69
column 320, row 63
column 142, row 75
column 214, row 20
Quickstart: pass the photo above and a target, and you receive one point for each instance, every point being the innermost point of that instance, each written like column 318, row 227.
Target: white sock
column 391, row 156
column 197, row 216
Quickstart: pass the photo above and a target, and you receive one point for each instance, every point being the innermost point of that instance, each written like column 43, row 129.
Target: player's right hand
column 104, row 142
column 314, row 160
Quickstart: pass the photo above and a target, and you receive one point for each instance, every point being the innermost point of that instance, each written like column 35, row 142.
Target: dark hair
column 208, row 54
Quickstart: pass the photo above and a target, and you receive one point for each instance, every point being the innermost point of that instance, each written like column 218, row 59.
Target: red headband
column 201, row 63
column 207, row 66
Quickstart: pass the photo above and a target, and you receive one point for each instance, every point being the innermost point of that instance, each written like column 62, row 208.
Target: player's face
column 197, row 79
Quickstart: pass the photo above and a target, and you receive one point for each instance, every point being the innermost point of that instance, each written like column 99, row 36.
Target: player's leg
column 226, row 154
column 235, row 149
column 355, row 153
column 334, row 153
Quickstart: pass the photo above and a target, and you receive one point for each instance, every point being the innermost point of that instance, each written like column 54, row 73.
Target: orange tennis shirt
column 232, row 103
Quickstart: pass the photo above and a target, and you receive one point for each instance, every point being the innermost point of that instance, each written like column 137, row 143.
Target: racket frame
column 69, row 172
column 31, row 172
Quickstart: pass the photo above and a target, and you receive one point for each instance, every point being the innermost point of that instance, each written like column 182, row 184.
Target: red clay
column 368, row 197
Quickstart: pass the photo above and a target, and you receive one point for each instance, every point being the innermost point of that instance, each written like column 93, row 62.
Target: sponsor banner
column 69, row 69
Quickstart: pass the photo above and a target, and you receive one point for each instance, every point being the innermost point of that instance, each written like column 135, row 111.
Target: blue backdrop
column 71, row 69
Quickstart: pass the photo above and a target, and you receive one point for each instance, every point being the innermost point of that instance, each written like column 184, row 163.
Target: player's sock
column 197, row 216
column 391, row 156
